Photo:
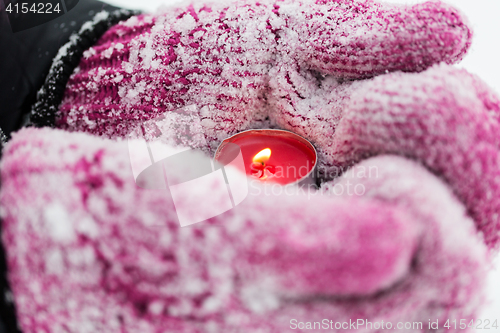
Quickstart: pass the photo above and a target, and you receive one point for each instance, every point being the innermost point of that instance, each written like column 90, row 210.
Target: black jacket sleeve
column 26, row 56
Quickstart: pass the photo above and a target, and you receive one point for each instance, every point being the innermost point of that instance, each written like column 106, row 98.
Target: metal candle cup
column 274, row 156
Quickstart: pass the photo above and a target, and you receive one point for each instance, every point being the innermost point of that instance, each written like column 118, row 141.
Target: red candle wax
column 272, row 155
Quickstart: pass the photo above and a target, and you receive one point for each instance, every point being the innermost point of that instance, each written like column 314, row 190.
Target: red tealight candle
column 272, row 155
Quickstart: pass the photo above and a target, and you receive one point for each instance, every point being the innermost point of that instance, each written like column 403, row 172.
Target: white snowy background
column 483, row 59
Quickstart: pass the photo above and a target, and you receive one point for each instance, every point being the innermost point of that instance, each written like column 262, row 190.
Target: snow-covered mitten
column 89, row 251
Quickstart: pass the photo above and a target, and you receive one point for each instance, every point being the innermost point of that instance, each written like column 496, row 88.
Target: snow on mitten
column 211, row 62
column 205, row 63
column 360, row 39
column 89, row 251
column 444, row 117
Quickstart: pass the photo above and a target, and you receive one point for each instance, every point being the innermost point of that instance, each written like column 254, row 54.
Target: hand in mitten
column 212, row 62
column 90, row 251
column 445, row 118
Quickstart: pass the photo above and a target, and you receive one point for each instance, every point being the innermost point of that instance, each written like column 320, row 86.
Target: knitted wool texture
column 406, row 250
column 89, row 251
column 216, row 59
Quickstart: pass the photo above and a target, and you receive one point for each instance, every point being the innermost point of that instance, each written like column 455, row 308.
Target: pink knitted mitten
column 90, row 251
column 445, row 118
column 215, row 60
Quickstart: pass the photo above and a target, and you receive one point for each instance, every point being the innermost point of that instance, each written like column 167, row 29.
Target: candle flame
column 262, row 156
